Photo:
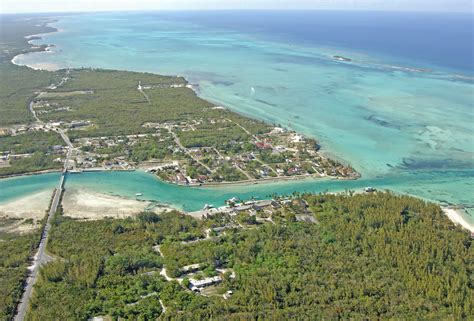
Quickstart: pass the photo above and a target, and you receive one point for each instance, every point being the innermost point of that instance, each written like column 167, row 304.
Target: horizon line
column 238, row 9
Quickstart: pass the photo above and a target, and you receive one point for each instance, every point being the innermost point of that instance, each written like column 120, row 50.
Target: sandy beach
column 35, row 66
column 30, row 207
column 31, row 39
column 457, row 218
column 86, row 205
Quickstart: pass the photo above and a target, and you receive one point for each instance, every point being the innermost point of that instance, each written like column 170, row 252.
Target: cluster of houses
column 235, row 207
column 198, row 282
column 297, row 156
column 6, row 156
column 45, row 127
column 42, row 107
column 118, row 163
column 86, row 162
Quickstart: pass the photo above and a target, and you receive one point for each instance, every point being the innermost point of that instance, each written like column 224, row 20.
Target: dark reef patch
column 265, row 102
column 223, row 83
column 378, row 121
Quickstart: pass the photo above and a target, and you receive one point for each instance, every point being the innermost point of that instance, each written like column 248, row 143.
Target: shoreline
column 269, row 180
column 195, row 89
column 46, row 171
column 451, row 213
column 26, row 213
column 79, row 203
column 455, row 215
column 43, row 48
column 90, row 205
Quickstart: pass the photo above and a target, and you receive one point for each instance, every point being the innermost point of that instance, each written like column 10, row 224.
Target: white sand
column 36, row 66
column 29, row 207
column 82, row 204
column 457, row 218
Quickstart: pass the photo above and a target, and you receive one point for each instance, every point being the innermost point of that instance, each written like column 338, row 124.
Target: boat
column 208, row 206
column 232, row 200
column 138, row 194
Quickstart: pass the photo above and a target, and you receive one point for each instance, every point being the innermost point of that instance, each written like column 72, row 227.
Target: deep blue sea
column 431, row 39
column 401, row 112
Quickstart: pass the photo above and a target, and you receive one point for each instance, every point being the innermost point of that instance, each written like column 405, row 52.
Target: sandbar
column 30, row 207
column 82, row 204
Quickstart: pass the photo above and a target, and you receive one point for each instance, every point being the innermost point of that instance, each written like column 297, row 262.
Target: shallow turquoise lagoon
column 17, row 187
column 405, row 124
column 190, row 199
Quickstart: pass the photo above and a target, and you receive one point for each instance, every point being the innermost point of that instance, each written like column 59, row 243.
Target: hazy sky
column 104, row 5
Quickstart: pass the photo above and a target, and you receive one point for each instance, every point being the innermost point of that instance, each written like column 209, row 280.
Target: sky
column 10, row 6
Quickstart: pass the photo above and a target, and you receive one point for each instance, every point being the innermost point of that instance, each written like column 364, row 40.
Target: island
column 342, row 58
column 373, row 254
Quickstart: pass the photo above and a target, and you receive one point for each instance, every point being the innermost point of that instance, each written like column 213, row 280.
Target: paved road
column 32, row 110
column 41, row 257
column 178, row 142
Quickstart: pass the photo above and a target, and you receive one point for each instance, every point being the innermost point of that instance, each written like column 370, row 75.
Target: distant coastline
column 39, row 48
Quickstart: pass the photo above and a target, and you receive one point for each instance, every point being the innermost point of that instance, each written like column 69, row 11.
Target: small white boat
column 208, row 206
column 138, row 194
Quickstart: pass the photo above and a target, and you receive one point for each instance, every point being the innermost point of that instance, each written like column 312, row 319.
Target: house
column 181, row 179
column 293, row 171
column 57, row 149
column 277, row 130
column 202, row 178
column 78, row 123
column 242, row 208
column 263, row 145
column 4, row 131
column 259, row 205
column 191, row 268
column 197, row 285
column 296, row 138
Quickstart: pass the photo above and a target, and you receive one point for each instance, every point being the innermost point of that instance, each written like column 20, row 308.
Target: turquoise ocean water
column 401, row 113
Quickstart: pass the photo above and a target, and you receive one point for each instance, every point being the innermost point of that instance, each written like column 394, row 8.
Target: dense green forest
column 17, row 87
column 376, row 256
column 116, row 107
column 15, row 252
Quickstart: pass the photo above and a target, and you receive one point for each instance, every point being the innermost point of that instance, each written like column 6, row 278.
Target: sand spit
column 86, row 205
